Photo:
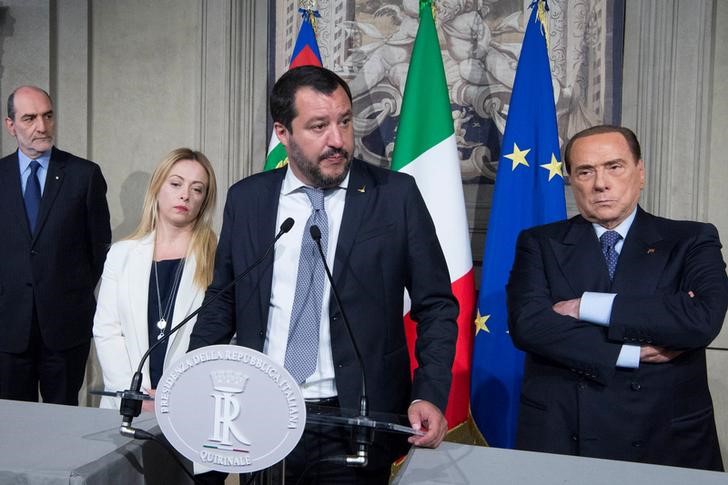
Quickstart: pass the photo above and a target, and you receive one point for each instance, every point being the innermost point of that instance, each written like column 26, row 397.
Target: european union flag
column 529, row 190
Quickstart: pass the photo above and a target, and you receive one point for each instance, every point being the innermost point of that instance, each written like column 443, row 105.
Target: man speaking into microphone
column 378, row 240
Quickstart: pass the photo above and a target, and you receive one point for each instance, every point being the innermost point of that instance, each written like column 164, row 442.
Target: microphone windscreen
column 287, row 225
column 315, row 232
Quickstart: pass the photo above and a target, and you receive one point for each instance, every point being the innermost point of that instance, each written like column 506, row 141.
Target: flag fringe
column 466, row 433
column 543, row 17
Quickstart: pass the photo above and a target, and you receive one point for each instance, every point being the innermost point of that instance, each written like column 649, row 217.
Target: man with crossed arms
column 614, row 308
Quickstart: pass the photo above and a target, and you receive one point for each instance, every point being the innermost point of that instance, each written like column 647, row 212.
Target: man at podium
column 378, row 239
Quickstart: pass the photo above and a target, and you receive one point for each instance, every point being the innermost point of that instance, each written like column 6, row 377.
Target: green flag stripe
column 426, row 113
column 276, row 158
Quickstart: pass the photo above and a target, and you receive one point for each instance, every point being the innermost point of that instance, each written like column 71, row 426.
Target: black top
column 167, row 271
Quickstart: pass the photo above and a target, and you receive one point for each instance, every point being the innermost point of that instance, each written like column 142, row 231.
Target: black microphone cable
column 363, row 435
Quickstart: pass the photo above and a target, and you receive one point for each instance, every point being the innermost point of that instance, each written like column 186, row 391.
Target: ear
column 641, row 168
column 281, row 132
column 10, row 126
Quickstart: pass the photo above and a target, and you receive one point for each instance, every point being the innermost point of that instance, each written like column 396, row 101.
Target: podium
column 455, row 464
column 233, row 410
column 51, row 444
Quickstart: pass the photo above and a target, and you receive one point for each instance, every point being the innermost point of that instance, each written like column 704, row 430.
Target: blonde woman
column 158, row 275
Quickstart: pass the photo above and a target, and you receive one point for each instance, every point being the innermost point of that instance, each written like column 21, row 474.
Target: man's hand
column 570, row 308
column 148, row 406
column 425, row 416
column 657, row 355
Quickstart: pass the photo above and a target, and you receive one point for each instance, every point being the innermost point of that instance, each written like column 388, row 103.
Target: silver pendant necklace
column 163, row 315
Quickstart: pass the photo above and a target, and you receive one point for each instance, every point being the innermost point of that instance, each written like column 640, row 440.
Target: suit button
column 261, row 333
column 339, row 366
column 334, row 318
column 33, row 252
column 636, row 386
column 581, row 385
column 30, row 285
column 638, row 444
column 574, row 437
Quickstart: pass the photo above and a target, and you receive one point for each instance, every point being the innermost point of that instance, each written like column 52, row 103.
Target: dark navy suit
column 47, row 279
column 387, row 243
column 574, row 399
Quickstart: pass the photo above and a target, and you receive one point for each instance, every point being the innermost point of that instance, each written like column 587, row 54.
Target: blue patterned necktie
column 32, row 195
column 608, row 240
column 303, row 334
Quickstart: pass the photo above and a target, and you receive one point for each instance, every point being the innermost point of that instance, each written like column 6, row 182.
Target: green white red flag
column 425, row 147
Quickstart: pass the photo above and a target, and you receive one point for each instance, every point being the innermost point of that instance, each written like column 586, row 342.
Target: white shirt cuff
column 596, row 307
column 629, row 356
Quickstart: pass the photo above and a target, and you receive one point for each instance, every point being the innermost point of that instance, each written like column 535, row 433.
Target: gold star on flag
column 518, row 156
column 480, row 323
column 554, row 168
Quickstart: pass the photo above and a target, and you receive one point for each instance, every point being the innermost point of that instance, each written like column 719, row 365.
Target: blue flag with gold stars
column 529, row 190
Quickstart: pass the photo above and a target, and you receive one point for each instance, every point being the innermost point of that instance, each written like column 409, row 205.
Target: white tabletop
column 455, row 464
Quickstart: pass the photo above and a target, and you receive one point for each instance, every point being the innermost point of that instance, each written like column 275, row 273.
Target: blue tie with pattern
column 32, row 195
column 608, row 240
column 303, row 334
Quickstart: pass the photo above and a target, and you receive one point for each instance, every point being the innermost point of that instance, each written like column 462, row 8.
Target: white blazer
column 121, row 329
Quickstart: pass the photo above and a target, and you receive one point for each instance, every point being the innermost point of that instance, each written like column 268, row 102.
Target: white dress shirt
column 294, row 202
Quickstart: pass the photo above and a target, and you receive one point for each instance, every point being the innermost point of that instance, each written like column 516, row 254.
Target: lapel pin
column 362, row 189
column 57, row 177
column 651, row 251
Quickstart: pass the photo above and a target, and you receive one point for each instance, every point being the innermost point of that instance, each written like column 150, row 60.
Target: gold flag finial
column 306, row 4
column 308, row 10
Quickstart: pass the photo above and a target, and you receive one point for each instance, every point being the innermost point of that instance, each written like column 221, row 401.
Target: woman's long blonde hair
column 203, row 241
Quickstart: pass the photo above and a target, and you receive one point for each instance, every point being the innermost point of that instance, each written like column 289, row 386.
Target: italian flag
column 425, row 148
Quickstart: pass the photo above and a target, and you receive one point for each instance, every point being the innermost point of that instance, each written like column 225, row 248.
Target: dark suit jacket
column 574, row 399
column 57, row 268
column 387, row 242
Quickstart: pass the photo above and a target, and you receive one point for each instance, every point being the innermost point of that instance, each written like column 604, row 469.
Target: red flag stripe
column 459, row 400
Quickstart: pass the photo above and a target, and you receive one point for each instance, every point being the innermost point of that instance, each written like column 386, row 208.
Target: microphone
column 363, row 435
column 131, row 401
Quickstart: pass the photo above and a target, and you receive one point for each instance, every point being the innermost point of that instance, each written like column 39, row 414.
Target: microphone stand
column 363, row 435
column 131, row 400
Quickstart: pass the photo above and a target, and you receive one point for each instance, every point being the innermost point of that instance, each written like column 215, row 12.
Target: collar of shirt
column 24, row 166
column 622, row 229
column 24, row 161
